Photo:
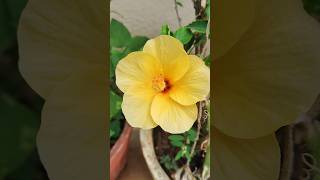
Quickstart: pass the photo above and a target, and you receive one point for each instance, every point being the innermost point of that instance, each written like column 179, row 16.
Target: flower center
column 160, row 84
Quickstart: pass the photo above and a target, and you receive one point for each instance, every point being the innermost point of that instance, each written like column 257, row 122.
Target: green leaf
column 168, row 162
column 184, row 34
column 176, row 137
column 176, row 143
column 119, row 34
column 136, row 44
column 178, row 155
column 19, row 127
column 207, row 10
column 207, row 60
column 187, row 155
column 115, row 129
column 192, row 134
column 199, row 26
column 112, row 132
column 116, row 56
column 115, row 104
column 165, row 30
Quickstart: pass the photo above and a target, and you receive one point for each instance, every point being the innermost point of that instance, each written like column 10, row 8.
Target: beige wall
column 145, row 17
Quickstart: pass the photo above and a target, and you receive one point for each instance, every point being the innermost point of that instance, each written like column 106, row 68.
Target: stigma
column 160, row 84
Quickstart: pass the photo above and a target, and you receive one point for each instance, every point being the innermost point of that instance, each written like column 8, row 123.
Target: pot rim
column 147, row 146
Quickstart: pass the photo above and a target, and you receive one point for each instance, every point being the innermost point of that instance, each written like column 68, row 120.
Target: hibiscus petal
column 250, row 159
column 170, row 52
column 171, row 116
column 271, row 75
column 140, row 98
column 56, row 37
column 194, row 86
column 72, row 136
column 137, row 69
column 231, row 20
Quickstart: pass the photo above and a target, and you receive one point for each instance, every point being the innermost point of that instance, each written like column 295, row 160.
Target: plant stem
column 177, row 12
column 198, row 132
column 287, row 154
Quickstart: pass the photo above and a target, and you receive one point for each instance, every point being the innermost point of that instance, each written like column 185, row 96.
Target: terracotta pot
column 146, row 140
column 119, row 151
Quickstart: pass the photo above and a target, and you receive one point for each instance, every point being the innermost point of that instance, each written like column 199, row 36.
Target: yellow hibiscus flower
column 265, row 73
column 162, row 85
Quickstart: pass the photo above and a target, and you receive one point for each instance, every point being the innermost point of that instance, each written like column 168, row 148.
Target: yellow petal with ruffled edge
column 172, row 116
column 57, row 37
column 231, row 19
column 251, row 159
column 169, row 51
column 136, row 107
column 271, row 75
column 72, row 136
column 137, row 70
column 194, row 86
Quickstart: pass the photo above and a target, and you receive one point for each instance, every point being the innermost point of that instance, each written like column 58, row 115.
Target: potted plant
column 175, row 155
column 171, row 152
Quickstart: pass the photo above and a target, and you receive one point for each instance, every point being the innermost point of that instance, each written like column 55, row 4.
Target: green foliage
column 207, row 60
column 176, row 137
column 184, row 34
column 115, row 56
column 199, row 26
column 207, row 10
column 135, row 44
column 191, row 134
column 183, row 152
column 19, row 126
column 177, row 143
column 119, row 34
column 165, row 30
column 115, row 104
column 115, row 129
column 184, row 143
column 122, row 43
column 191, row 36
column 179, row 155
column 168, row 163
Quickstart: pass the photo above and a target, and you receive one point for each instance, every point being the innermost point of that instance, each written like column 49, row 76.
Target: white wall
column 145, row 17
